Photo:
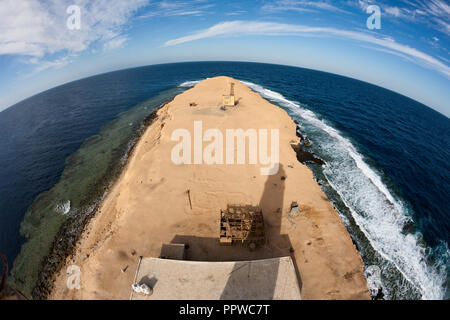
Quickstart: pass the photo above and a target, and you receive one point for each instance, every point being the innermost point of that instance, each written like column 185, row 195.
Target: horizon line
column 212, row 61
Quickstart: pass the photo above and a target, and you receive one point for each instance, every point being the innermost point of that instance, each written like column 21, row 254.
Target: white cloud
column 394, row 11
column 177, row 8
column 115, row 43
column 300, row 6
column 433, row 13
column 38, row 28
column 439, row 12
column 235, row 13
column 239, row 28
column 57, row 63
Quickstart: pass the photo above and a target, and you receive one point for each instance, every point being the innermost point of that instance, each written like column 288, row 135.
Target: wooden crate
column 243, row 224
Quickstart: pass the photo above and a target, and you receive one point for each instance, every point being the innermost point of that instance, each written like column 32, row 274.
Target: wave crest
column 377, row 212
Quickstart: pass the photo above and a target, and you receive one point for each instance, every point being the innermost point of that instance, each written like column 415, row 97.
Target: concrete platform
column 197, row 280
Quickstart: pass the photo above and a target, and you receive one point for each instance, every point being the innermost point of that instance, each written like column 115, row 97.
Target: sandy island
column 148, row 206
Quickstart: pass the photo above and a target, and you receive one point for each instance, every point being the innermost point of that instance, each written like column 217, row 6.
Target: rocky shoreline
column 69, row 233
column 156, row 201
column 66, row 240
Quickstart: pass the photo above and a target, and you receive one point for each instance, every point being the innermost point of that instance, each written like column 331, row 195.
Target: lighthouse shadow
column 250, row 281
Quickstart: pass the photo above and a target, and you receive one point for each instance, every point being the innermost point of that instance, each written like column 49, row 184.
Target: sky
column 42, row 46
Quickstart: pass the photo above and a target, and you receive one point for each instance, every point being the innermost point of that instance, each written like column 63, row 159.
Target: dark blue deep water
column 387, row 156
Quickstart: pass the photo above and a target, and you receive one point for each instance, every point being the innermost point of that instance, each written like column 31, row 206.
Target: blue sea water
column 387, row 169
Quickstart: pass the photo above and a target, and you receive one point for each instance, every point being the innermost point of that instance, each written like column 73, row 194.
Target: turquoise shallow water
column 386, row 162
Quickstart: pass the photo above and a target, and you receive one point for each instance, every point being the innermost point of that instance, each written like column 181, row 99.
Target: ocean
column 386, row 169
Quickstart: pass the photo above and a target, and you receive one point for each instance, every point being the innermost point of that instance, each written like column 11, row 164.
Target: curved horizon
column 402, row 47
column 220, row 61
column 349, row 122
column 323, row 126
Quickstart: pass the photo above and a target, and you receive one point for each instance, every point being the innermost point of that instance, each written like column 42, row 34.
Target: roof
column 198, row 280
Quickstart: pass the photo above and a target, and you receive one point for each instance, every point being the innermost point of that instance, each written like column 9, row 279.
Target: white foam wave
column 63, row 208
column 188, row 84
column 379, row 214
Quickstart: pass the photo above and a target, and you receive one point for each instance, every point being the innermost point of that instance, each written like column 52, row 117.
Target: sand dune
column 149, row 205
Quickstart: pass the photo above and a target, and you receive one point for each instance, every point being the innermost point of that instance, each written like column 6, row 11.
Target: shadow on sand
column 277, row 245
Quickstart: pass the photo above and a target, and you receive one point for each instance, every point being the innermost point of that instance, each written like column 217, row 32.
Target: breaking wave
column 377, row 212
column 188, row 84
column 63, row 208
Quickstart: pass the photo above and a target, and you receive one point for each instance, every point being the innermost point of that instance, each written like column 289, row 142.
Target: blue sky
column 409, row 54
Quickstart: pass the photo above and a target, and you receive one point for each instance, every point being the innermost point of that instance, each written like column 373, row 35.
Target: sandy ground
column 149, row 206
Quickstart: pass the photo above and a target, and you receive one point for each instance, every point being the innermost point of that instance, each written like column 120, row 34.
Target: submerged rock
column 304, row 156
